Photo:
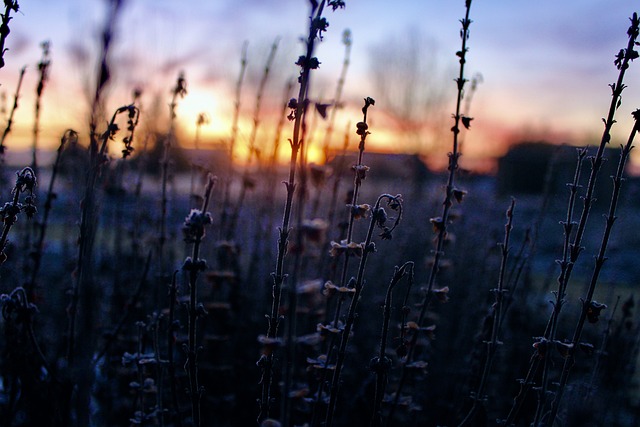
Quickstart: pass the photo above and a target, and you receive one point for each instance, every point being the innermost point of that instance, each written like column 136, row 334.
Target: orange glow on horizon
column 202, row 101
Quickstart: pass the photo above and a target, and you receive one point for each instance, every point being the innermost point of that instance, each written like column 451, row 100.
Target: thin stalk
column 291, row 324
column 83, row 286
column 179, row 91
column 139, row 401
column 273, row 161
column 494, row 341
column 338, row 175
column 84, row 267
column 588, row 304
column 603, row 348
column 7, row 129
column 194, row 232
column 306, row 62
column 69, row 135
column 382, row 364
column 226, row 199
column 441, row 223
column 337, row 97
column 552, row 326
column 171, row 340
column 202, row 120
column 622, row 62
column 366, row 248
column 360, row 173
column 246, row 180
column 113, row 335
column 88, row 224
column 159, row 408
column 475, row 81
column 9, row 5
column 521, row 261
column 43, row 68
column 25, row 182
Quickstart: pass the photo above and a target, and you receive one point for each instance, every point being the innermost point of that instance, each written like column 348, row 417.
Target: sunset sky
column 545, row 65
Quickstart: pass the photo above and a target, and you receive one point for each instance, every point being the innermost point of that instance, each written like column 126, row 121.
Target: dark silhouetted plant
column 361, row 250
column 194, row 231
column 26, row 182
column 226, row 198
column 590, row 308
column 574, row 248
column 440, row 224
column 43, row 70
column 9, row 6
column 381, row 364
column 69, row 136
column 14, row 107
column 306, row 62
column 497, row 312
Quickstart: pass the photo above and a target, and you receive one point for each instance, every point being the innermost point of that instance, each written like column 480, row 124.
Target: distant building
column 407, row 167
column 529, row 167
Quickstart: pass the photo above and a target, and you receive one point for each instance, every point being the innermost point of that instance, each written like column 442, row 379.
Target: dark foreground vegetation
column 145, row 290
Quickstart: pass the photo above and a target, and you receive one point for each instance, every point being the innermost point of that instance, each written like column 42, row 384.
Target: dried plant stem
column 171, row 339
column 84, row 273
column 159, row 377
column 359, row 282
column 226, row 198
column 382, row 364
column 25, row 182
column 292, row 293
column 587, row 302
column 83, row 288
column 113, row 335
column 200, row 121
column 441, row 222
column 575, row 247
column 246, row 180
column 360, row 172
column 193, row 267
column 68, row 136
column 9, row 5
column 521, row 259
column 43, row 68
column 601, row 353
column 139, row 406
column 273, row 161
column 266, row 361
column 475, row 81
column 178, row 91
column 78, row 358
column 143, row 159
column 333, row 203
column 260, row 255
column 337, row 97
column 7, row 129
column 494, row 341
column 552, row 325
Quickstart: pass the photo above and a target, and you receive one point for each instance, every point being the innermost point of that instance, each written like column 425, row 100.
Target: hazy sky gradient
column 545, row 64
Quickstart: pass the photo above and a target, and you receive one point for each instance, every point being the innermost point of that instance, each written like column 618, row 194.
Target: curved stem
column 367, row 247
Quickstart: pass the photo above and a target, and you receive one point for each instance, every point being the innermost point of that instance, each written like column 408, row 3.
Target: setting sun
column 202, row 100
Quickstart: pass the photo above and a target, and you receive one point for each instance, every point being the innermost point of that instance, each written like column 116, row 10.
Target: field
column 143, row 283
